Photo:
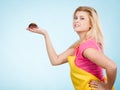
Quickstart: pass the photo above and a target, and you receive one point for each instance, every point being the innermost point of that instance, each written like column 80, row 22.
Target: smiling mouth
column 76, row 26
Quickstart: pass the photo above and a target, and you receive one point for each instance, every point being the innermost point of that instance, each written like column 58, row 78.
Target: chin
column 76, row 30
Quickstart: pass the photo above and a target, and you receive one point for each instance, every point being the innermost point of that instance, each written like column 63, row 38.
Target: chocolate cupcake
column 32, row 25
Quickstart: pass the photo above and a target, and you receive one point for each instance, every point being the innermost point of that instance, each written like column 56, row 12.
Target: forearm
column 111, row 75
column 54, row 58
column 50, row 50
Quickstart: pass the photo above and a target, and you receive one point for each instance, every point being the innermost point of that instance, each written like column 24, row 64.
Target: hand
column 99, row 85
column 34, row 28
column 37, row 30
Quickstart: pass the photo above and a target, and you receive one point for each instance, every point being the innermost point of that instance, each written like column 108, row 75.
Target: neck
column 82, row 36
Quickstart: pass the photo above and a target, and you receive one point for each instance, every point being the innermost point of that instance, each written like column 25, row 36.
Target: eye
column 75, row 18
column 82, row 18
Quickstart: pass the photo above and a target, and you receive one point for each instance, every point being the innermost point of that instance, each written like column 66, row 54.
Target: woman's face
column 81, row 22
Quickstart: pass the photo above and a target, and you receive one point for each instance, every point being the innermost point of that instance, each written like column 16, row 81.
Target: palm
column 36, row 30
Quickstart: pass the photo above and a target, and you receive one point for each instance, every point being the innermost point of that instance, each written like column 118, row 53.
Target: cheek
column 86, row 26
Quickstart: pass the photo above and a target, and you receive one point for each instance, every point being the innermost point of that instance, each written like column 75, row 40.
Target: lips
column 76, row 25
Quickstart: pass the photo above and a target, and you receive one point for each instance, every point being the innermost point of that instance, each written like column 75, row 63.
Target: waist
column 80, row 77
column 89, row 67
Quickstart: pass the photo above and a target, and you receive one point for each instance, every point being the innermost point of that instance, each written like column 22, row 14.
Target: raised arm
column 55, row 59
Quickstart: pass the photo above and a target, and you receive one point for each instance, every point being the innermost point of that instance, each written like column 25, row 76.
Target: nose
column 76, row 20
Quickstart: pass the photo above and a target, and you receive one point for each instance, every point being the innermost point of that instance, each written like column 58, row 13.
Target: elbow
column 54, row 64
column 115, row 67
column 55, row 61
column 112, row 67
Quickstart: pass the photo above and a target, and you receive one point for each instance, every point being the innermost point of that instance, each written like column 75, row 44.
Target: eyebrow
column 79, row 16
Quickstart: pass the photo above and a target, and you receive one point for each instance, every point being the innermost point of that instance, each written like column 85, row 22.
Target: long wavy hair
column 95, row 30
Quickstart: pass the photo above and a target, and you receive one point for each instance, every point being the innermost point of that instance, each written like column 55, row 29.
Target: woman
column 86, row 56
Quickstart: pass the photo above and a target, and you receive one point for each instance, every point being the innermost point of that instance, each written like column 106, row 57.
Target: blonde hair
column 95, row 30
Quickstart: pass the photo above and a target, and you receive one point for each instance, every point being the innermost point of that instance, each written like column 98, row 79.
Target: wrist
column 108, row 87
column 45, row 34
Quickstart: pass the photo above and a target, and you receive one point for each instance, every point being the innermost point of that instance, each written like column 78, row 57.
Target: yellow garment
column 80, row 78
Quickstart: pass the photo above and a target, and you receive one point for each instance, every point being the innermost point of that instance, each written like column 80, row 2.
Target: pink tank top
column 85, row 63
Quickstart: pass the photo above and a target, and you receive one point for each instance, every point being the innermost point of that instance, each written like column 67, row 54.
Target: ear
column 90, row 27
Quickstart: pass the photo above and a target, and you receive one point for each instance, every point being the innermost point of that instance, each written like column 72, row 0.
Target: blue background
column 24, row 64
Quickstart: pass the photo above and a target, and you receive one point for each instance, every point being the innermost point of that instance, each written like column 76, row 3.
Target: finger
column 27, row 28
column 30, row 29
column 93, row 86
column 34, row 28
column 94, row 82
